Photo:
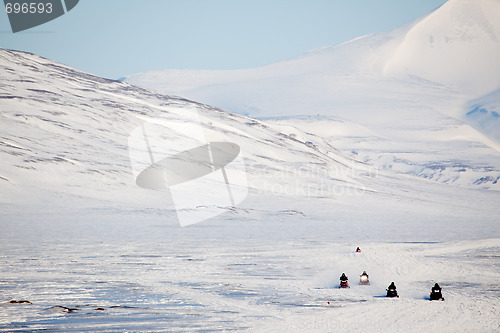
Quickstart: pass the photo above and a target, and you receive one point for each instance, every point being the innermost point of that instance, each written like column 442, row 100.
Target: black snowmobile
column 436, row 293
column 364, row 279
column 391, row 290
column 343, row 281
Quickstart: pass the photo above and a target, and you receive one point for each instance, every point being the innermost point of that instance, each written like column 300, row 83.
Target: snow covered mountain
column 404, row 93
column 67, row 133
column 65, row 143
column 455, row 47
column 458, row 45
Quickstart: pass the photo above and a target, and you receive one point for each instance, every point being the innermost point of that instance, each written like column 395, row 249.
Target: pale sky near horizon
column 114, row 38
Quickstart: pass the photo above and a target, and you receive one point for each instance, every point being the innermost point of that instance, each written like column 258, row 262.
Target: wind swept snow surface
column 258, row 284
column 83, row 248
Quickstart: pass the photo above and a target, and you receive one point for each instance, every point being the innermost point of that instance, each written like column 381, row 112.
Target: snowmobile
column 391, row 291
column 436, row 293
column 364, row 279
column 344, row 284
column 343, row 281
column 358, row 249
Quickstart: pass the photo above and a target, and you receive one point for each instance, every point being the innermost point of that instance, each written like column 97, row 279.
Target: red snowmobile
column 343, row 281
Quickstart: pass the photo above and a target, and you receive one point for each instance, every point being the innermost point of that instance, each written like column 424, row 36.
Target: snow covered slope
column 408, row 87
column 484, row 114
column 73, row 128
column 457, row 45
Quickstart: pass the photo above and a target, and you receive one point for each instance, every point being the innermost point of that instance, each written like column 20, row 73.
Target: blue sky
column 114, row 38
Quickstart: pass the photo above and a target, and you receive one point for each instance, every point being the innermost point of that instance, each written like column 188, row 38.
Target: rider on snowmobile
column 436, row 293
column 343, row 281
column 391, row 290
column 364, row 279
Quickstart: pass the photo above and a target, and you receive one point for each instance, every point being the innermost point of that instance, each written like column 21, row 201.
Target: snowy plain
column 401, row 173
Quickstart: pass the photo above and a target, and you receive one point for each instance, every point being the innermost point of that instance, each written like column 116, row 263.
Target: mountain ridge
column 63, row 129
column 374, row 83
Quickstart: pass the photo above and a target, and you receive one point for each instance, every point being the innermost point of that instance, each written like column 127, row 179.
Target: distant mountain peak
column 458, row 45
